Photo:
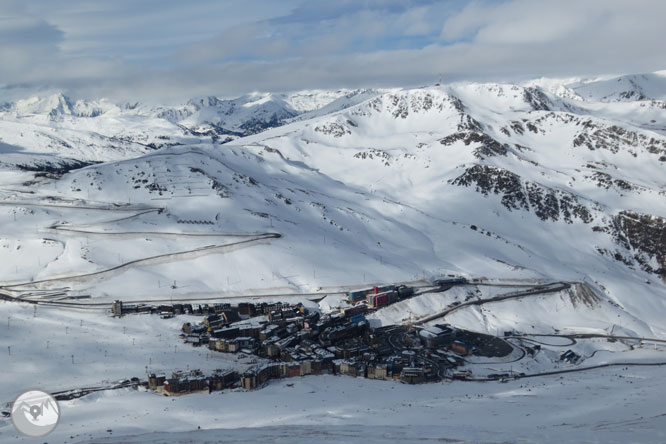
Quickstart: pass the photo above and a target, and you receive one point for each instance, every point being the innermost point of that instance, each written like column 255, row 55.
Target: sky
column 166, row 50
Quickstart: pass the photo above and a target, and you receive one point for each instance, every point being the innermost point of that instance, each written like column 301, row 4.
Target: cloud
column 564, row 37
column 25, row 42
column 522, row 21
column 233, row 42
column 168, row 50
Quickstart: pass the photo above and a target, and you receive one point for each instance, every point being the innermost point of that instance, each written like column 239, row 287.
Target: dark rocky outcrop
column 645, row 236
column 486, row 146
column 518, row 194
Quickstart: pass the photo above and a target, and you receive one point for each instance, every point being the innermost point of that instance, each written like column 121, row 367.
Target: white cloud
column 533, row 21
column 171, row 50
column 415, row 21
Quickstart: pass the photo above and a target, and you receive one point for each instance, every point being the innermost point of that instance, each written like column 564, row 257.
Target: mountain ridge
column 471, row 179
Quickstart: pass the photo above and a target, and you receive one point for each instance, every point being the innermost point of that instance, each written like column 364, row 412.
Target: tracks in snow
column 9, row 291
column 533, row 290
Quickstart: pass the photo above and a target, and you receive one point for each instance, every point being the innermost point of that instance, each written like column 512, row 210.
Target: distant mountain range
column 547, row 178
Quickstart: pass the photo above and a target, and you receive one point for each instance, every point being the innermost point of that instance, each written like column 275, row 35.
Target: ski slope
column 548, row 181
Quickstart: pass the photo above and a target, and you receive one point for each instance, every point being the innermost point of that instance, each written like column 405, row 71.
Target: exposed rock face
column 645, row 236
column 497, row 181
column 401, row 105
column 254, row 126
column 605, row 180
column 518, row 194
column 640, row 238
column 537, row 99
column 486, row 145
column 615, row 138
column 372, row 153
column 334, row 129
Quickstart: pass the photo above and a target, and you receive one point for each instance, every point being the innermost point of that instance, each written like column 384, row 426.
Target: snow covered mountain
column 528, row 155
column 58, row 133
column 256, row 112
column 274, row 197
column 624, row 88
column 476, row 179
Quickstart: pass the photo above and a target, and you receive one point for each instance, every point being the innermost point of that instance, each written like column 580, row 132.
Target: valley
column 547, row 203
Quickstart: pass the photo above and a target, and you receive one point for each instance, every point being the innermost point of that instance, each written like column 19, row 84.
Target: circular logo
column 35, row 413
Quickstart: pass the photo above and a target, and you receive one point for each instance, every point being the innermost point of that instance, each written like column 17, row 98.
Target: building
column 383, row 298
column 362, row 295
column 228, row 332
column 412, row 375
column 184, row 385
column 247, row 309
column 356, row 309
column 306, row 368
column 381, row 371
column 437, row 335
column 352, row 369
column 569, row 356
column 249, row 380
column 117, row 308
column 230, row 315
column 221, row 379
column 213, row 322
column 253, row 378
column 272, row 350
column 246, row 342
column 156, row 381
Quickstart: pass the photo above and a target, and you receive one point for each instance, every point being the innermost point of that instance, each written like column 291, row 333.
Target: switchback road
column 532, row 291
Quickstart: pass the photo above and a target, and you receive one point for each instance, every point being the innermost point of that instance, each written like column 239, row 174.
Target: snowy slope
column 623, row 88
column 545, row 181
column 54, row 133
column 340, row 409
column 480, row 179
column 587, row 192
column 256, row 112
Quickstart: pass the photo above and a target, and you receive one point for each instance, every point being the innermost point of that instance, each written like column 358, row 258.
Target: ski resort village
column 464, row 262
column 283, row 340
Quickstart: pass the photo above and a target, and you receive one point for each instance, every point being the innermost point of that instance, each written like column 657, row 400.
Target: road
column 574, row 336
column 67, row 395
column 532, row 291
column 315, row 297
column 571, row 370
column 145, row 261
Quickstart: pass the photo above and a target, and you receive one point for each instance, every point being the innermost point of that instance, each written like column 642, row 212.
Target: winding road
column 533, row 290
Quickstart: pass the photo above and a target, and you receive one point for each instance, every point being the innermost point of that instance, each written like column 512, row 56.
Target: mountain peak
column 52, row 105
column 626, row 88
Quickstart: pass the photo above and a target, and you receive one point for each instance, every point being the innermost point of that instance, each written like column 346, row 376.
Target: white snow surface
column 330, row 409
column 363, row 187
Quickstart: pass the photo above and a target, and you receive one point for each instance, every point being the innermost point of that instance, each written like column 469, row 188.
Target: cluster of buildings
column 296, row 342
column 194, row 381
column 370, row 355
column 380, row 296
column 118, row 309
column 288, row 333
column 444, row 336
